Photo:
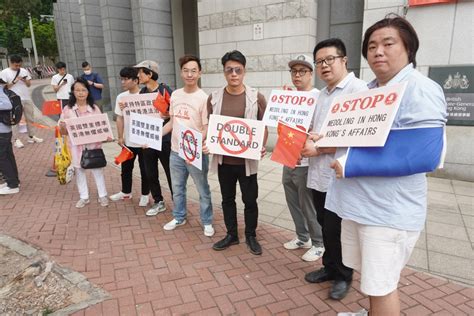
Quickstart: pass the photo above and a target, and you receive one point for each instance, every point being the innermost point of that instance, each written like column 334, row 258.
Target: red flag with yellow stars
column 290, row 142
column 125, row 154
column 162, row 102
column 51, row 107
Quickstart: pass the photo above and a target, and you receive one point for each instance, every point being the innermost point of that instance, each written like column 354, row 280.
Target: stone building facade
column 112, row 34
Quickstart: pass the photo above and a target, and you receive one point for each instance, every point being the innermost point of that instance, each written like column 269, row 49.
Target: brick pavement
column 149, row 271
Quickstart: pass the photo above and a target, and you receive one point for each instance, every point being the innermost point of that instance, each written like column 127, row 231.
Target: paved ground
column 148, row 270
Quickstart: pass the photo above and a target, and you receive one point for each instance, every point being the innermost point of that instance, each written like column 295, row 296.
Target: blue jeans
column 180, row 171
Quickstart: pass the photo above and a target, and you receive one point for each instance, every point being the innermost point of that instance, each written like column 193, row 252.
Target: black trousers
column 331, row 227
column 127, row 171
column 7, row 161
column 228, row 176
column 151, row 157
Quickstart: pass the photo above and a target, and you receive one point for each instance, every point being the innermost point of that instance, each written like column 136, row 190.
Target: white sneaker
column 6, row 190
column 362, row 312
column 144, row 200
column 3, row 185
column 209, row 230
column 173, row 224
column 82, row 202
column 18, row 143
column 156, row 208
column 120, row 196
column 104, row 201
column 313, row 254
column 296, row 244
column 35, row 139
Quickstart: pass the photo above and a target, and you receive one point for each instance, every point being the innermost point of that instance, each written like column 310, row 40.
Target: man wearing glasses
column 188, row 107
column 237, row 100
column 298, row 196
column 331, row 67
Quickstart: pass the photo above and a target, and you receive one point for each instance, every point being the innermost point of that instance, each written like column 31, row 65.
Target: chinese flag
column 125, row 154
column 290, row 142
column 162, row 102
column 52, row 107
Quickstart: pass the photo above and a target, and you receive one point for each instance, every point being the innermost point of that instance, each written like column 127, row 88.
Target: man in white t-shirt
column 298, row 196
column 62, row 82
column 129, row 79
column 188, row 107
column 19, row 80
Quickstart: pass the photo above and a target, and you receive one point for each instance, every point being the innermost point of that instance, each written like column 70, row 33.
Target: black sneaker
column 226, row 242
column 253, row 245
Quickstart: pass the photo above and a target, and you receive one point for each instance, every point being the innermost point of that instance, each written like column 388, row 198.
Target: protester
column 298, row 196
column 18, row 80
column 8, row 167
column 96, row 84
column 62, row 82
column 148, row 76
column 331, row 66
column 129, row 79
column 82, row 104
column 383, row 203
column 237, row 100
column 189, row 108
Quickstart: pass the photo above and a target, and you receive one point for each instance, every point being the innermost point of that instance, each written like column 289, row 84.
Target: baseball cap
column 149, row 64
column 304, row 60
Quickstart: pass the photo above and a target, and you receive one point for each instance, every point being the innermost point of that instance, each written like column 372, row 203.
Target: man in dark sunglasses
column 237, row 100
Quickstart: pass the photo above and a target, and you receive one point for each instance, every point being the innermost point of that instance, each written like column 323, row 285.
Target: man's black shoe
column 226, row 242
column 253, row 245
column 339, row 290
column 318, row 276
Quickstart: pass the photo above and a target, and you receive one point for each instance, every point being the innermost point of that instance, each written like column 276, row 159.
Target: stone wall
column 444, row 31
column 287, row 28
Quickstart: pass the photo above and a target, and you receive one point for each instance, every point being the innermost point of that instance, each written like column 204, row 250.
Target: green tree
column 45, row 38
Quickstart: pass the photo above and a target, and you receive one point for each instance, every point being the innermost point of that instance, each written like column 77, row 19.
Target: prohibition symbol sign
column 228, row 126
column 187, row 150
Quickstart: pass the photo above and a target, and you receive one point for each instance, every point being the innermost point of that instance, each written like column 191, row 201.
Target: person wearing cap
column 331, row 67
column 237, row 99
column 8, row 167
column 18, row 80
column 148, row 76
column 298, row 196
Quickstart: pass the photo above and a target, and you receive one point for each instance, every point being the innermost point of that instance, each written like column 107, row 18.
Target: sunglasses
column 237, row 70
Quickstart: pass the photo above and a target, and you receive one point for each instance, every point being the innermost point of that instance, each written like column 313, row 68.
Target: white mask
column 87, row 72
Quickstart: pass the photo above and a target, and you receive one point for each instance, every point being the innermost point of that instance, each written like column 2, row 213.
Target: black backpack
column 13, row 116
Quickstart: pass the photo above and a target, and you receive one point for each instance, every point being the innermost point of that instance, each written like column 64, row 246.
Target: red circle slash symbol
column 192, row 153
column 243, row 148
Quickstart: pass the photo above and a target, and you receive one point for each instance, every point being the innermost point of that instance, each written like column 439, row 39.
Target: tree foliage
column 14, row 26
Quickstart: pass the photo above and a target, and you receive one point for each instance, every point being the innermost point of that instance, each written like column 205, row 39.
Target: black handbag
column 93, row 158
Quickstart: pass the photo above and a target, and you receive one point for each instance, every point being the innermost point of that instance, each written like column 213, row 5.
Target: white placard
column 362, row 119
column 89, row 129
column 146, row 130
column 139, row 103
column 190, row 145
column 237, row 137
column 292, row 107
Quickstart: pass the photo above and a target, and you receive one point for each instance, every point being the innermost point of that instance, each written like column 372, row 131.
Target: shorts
column 378, row 253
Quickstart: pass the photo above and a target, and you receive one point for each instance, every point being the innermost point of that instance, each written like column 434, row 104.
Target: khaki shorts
column 378, row 253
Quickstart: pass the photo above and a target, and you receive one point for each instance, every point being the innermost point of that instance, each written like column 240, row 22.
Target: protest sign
column 291, row 107
column 146, row 130
column 139, row 103
column 237, row 137
column 190, row 145
column 88, row 129
column 361, row 119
